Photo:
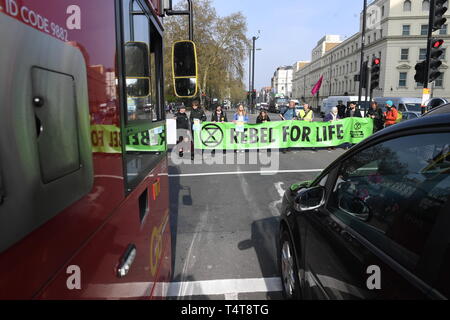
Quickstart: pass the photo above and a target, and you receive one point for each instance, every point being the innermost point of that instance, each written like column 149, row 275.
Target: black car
column 442, row 109
column 376, row 223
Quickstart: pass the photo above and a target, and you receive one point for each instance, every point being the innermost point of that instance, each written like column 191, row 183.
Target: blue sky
column 290, row 29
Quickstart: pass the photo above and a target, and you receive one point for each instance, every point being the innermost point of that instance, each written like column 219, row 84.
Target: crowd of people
column 381, row 118
column 197, row 115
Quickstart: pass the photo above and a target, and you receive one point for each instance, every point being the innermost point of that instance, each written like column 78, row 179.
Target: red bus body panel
column 94, row 232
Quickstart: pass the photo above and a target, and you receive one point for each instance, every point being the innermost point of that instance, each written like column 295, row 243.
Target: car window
column 392, row 192
column 401, row 107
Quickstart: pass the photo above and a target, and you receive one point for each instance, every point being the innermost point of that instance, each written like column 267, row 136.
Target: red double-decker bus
column 84, row 201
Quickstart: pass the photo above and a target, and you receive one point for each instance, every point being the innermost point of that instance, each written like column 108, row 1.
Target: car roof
column 443, row 109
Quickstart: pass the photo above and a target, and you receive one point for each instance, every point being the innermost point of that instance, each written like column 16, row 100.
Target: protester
column 333, row 115
column 263, row 117
column 196, row 117
column 376, row 114
column 353, row 111
column 342, row 108
column 240, row 115
column 306, row 114
column 240, row 119
column 218, row 115
column 290, row 113
column 182, row 128
column 391, row 114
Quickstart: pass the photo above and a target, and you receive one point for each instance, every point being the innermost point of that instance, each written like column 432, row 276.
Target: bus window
column 145, row 130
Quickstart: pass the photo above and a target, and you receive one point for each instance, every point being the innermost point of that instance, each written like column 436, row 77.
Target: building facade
column 282, row 81
column 397, row 34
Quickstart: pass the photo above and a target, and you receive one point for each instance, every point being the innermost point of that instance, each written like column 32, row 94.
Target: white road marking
column 275, row 205
column 242, row 173
column 280, row 189
column 229, row 287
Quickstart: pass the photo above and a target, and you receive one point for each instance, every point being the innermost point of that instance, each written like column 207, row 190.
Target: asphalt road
column 224, row 220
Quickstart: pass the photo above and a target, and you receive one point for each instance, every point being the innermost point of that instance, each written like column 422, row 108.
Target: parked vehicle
column 374, row 224
column 435, row 102
column 333, row 101
column 278, row 104
column 438, row 110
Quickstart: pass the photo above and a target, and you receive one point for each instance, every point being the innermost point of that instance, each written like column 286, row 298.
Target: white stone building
column 399, row 39
column 282, row 81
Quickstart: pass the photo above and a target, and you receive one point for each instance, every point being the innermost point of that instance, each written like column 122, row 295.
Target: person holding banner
column 263, row 117
column 219, row 115
column 182, row 128
column 332, row 116
column 376, row 114
column 196, row 117
column 306, row 114
column 240, row 119
column 290, row 113
column 352, row 111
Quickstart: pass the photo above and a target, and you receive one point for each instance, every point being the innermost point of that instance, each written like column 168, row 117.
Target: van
column 333, row 101
column 412, row 105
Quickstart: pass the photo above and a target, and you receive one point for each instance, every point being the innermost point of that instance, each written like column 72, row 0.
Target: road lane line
column 229, row 287
column 205, row 174
column 276, row 205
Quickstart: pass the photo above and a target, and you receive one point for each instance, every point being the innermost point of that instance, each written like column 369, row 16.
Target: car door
column 373, row 237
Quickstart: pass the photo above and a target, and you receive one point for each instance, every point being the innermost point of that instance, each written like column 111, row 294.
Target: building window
column 422, row 54
column 405, row 54
column 368, row 39
column 381, row 33
column 374, row 37
column 402, row 79
column 426, row 5
column 382, row 11
column 444, row 31
column 406, row 30
column 407, row 5
column 424, row 30
column 439, row 82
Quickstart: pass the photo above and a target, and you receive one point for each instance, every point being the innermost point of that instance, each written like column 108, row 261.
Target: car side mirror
column 355, row 207
column 310, row 199
column 184, row 69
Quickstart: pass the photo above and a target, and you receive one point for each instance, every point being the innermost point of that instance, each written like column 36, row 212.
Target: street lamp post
column 253, row 71
column 363, row 42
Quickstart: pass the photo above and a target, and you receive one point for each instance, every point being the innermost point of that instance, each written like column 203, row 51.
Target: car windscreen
column 282, row 101
column 414, row 107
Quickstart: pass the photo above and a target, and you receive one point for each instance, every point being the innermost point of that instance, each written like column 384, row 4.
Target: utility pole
column 249, row 70
column 253, row 72
column 363, row 42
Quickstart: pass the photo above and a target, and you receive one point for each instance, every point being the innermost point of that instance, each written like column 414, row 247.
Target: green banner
column 283, row 134
column 106, row 139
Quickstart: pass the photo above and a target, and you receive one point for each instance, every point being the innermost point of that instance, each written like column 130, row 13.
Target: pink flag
column 317, row 86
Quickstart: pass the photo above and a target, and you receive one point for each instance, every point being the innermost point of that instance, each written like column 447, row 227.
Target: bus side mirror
column 137, row 69
column 184, row 69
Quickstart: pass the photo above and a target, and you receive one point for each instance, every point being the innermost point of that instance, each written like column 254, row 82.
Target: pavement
column 224, row 220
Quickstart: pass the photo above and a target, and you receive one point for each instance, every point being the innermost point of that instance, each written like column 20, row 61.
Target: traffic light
column 421, row 68
column 375, row 74
column 435, row 61
column 439, row 11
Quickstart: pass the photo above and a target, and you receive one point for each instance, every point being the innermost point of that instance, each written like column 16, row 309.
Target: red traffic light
column 376, row 61
column 437, row 43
